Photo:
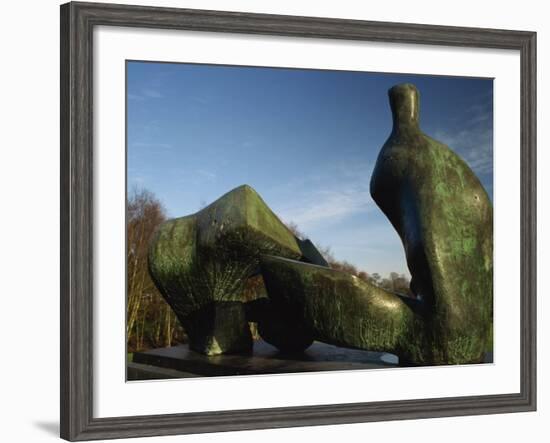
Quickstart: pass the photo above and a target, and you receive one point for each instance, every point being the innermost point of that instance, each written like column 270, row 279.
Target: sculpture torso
column 444, row 218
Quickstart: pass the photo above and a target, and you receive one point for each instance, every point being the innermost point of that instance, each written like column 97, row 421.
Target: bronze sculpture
column 433, row 200
column 445, row 220
column 201, row 262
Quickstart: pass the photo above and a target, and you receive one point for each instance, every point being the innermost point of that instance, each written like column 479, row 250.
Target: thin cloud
column 316, row 202
column 152, row 145
column 135, row 97
column 327, row 206
column 145, row 94
column 192, row 178
column 202, row 100
column 208, row 175
column 137, row 180
column 475, row 146
column 474, row 141
column 151, row 93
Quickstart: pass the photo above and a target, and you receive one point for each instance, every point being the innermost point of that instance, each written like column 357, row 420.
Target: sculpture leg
column 343, row 310
column 219, row 327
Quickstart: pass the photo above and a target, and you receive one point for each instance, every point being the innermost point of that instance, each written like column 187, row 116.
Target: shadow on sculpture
column 200, row 264
column 445, row 220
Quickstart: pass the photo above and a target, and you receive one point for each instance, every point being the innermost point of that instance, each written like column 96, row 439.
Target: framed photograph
column 272, row 221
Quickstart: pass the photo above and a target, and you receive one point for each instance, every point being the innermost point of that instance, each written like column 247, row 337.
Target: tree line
column 150, row 322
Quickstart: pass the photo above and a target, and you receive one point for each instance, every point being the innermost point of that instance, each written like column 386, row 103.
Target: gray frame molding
column 77, row 23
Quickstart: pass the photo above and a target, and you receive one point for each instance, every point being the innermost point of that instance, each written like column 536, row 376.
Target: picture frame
column 78, row 21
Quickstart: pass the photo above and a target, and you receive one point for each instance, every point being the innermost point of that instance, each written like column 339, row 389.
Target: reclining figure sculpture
column 439, row 209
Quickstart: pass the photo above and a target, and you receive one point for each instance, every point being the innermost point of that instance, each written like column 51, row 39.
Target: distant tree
column 401, row 284
column 375, row 278
column 254, row 289
column 395, row 282
column 293, row 227
column 150, row 321
column 386, row 283
column 342, row 265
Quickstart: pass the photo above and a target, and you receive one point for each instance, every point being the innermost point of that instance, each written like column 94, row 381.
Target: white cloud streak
column 316, row 202
column 145, row 94
column 207, row 175
column 152, row 145
column 474, row 141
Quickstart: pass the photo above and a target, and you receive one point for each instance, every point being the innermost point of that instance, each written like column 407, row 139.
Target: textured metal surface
column 445, row 220
column 200, row 263
column 345, row 311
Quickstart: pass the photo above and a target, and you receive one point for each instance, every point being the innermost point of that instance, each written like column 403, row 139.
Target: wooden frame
column 77, row 23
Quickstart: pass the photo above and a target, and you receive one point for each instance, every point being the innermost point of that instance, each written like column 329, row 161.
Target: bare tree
column 395, row 282
column 293, row 227
column 150, row 321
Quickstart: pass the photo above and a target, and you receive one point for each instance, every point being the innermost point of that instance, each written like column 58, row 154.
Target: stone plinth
column 264, row 359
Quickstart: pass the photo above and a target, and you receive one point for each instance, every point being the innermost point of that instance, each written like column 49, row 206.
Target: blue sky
column 306, row 140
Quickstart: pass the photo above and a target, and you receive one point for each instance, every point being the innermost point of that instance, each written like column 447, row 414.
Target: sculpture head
column 405, row 103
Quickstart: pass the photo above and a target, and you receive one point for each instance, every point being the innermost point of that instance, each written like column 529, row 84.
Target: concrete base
column 139, row 371
column 180, row 361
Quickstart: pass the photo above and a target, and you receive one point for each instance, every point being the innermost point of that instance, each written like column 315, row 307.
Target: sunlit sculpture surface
column 201, row 262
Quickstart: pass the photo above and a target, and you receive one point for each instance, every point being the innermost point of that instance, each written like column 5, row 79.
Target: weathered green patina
column 201, row 262
column 343, row 310
column 445, row 220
